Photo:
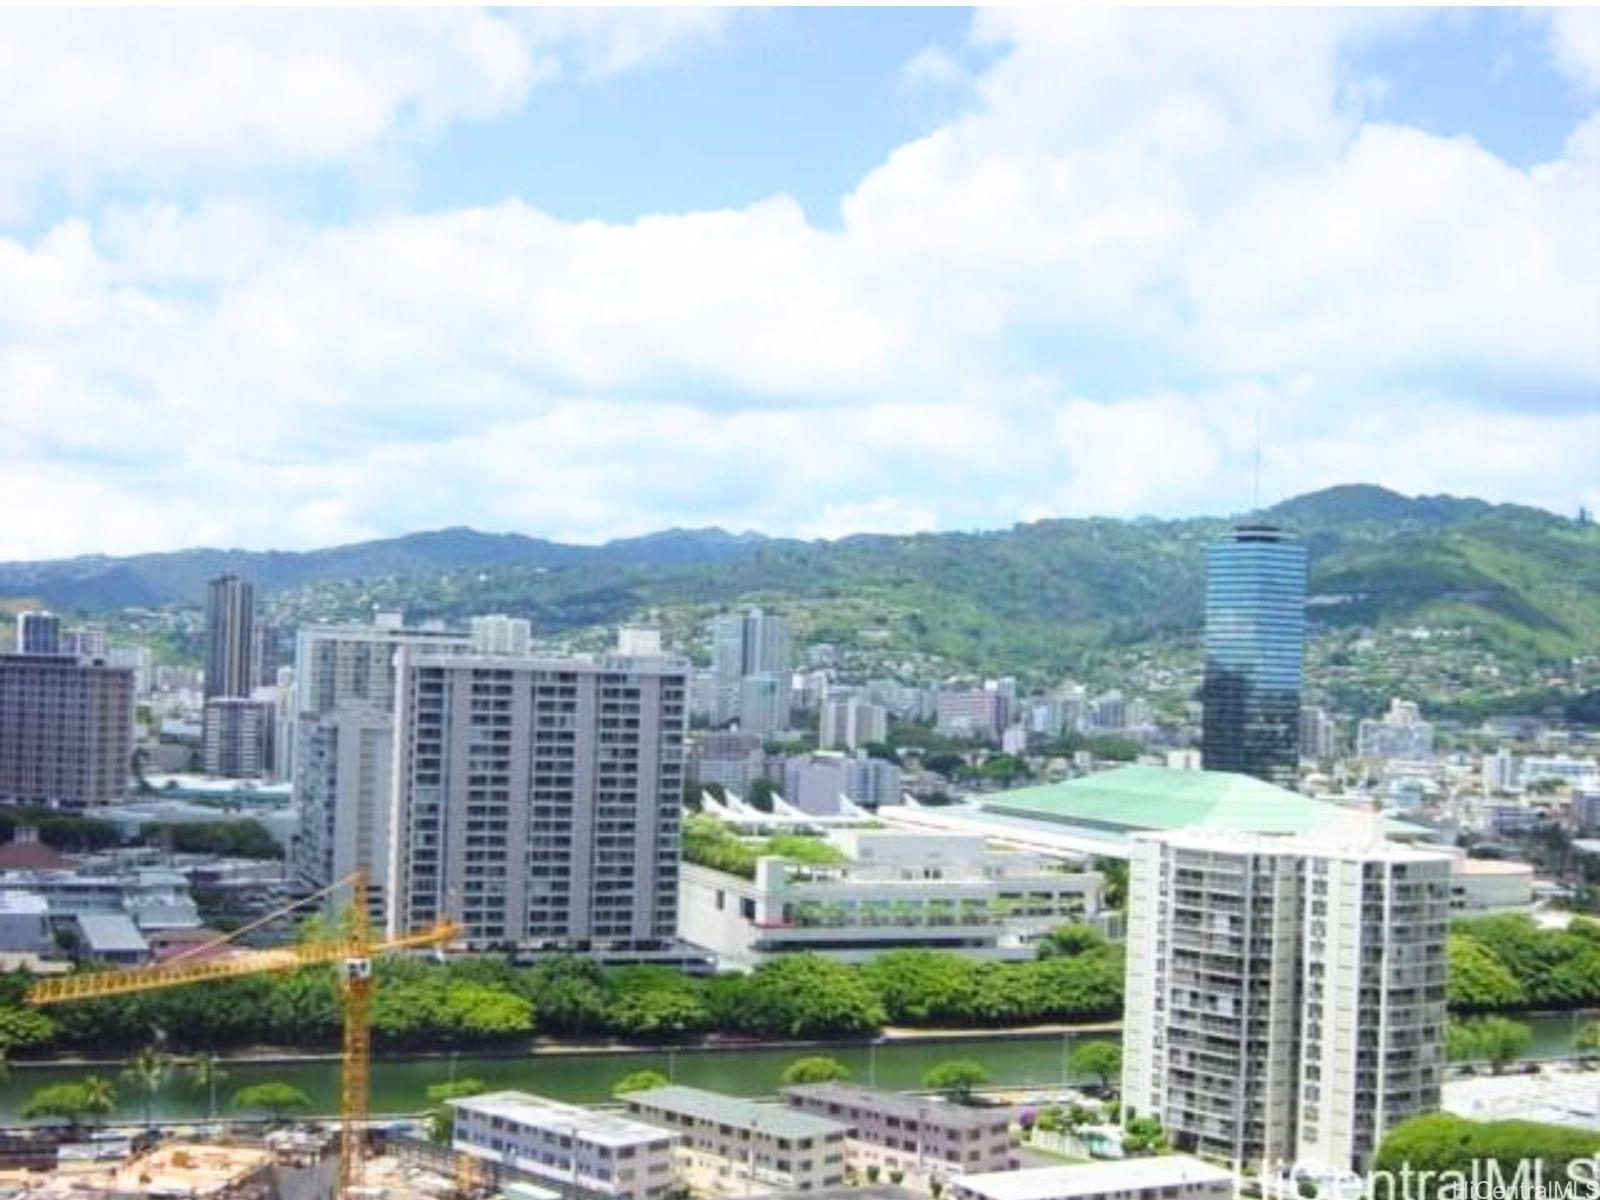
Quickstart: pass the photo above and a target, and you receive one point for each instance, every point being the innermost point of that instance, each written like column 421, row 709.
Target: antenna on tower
column 1255, row 495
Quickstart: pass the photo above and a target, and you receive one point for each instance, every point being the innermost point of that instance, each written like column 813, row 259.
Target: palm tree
column 148, row 1068
column 99, row 1097
column 204, row 1075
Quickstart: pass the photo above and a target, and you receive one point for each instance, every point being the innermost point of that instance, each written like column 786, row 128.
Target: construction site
column 308, row 1162
column 301, row 1164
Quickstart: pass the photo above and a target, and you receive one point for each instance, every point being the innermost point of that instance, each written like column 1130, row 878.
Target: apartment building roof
column 896, row 1104
column 765, row 1119
column 524, row 1108
column 1093, row 1179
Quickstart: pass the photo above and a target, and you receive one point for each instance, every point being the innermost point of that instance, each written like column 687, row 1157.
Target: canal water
column 400, row 1085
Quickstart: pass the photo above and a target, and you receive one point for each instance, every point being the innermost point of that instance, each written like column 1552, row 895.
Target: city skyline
column 807, row 273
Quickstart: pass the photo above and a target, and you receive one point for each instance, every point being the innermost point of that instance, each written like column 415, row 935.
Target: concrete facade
column 739, row 1147
column 66, row 731
column 1285, row 998
column 538, row 800
column 926, row 1139
column 575, row 1150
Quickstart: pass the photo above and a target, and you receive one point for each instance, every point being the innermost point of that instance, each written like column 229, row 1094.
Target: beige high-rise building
column 1285, row 997
column 537, row 801
column 66, row 731
column 850, row 722
column 344, row 746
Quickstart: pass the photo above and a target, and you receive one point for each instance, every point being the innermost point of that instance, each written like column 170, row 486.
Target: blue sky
column 803, row 270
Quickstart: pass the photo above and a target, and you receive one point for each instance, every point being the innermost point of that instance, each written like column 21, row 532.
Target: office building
column 745, row 644
column 979, row 713
column 266, row 653
column 817, row 783
column 229, row 637
column 238, row 737
column 737, row 1146
column 1402, row 734
column 1499, row 771
column 894, row 890
column 1168, row 1177
column 136, row 659
column 926, row 1139
column 730, row 758
column 1318, row 734
column 1254, row 650
column 764, row 704
column 66, row 731
column 1285, row 996
column 84, row 643
column 575, row 1151
column 1558, row 768
column 344, row 694
column 849, row 723
column 537, row 801
column 38, row 633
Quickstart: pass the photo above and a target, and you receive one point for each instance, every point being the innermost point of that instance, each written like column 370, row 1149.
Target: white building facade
column 538, row 801
column 899, row 889
column 1285, row 997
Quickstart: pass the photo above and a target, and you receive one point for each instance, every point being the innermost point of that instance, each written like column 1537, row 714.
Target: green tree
column 1498, row 1040
column 148, row 1069
column 275, row 1097
column 1460, row 1041
column 656, row 1004
column 816, row 1069
column 1442, row 1143
column 1587, row 1042
column 1142, row 1134
column 442, row 1117
column 760, row 794
column 1071, row 940
column 1478, row 981
column 1100, row 1060
column 807, row 996
column 63, row 1101
column 24, row 1028
column 205, row 1072
column 957, row 1077
column 639, row 1081
column 100, row 1096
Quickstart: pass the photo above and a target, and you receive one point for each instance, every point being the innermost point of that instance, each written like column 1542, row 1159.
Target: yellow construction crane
column 351, row 947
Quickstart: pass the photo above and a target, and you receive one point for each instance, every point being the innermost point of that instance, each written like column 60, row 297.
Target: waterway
column 400, row 1085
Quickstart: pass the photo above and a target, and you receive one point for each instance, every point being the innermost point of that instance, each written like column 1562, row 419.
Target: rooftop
column 107, row 933
column 1138, row 798
column 897, row 1105
column 24, row 903
column 731, row 1110
column 528, row 1109
column 1093, row 1179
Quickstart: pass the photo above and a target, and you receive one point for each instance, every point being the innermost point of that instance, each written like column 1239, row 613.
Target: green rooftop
column 1130, row 799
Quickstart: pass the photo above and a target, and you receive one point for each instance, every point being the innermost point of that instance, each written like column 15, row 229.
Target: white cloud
column 1575, row 43
column 1073, row 299
column 163, row 95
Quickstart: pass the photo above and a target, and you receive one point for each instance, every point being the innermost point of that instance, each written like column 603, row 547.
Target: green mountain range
column 1036, row 596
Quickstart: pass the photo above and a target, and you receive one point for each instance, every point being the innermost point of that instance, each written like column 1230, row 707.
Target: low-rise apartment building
column 1169, row 1177
column 577, row 1151
column 926, row 1139
column 740, row 1147
column 899, row 889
